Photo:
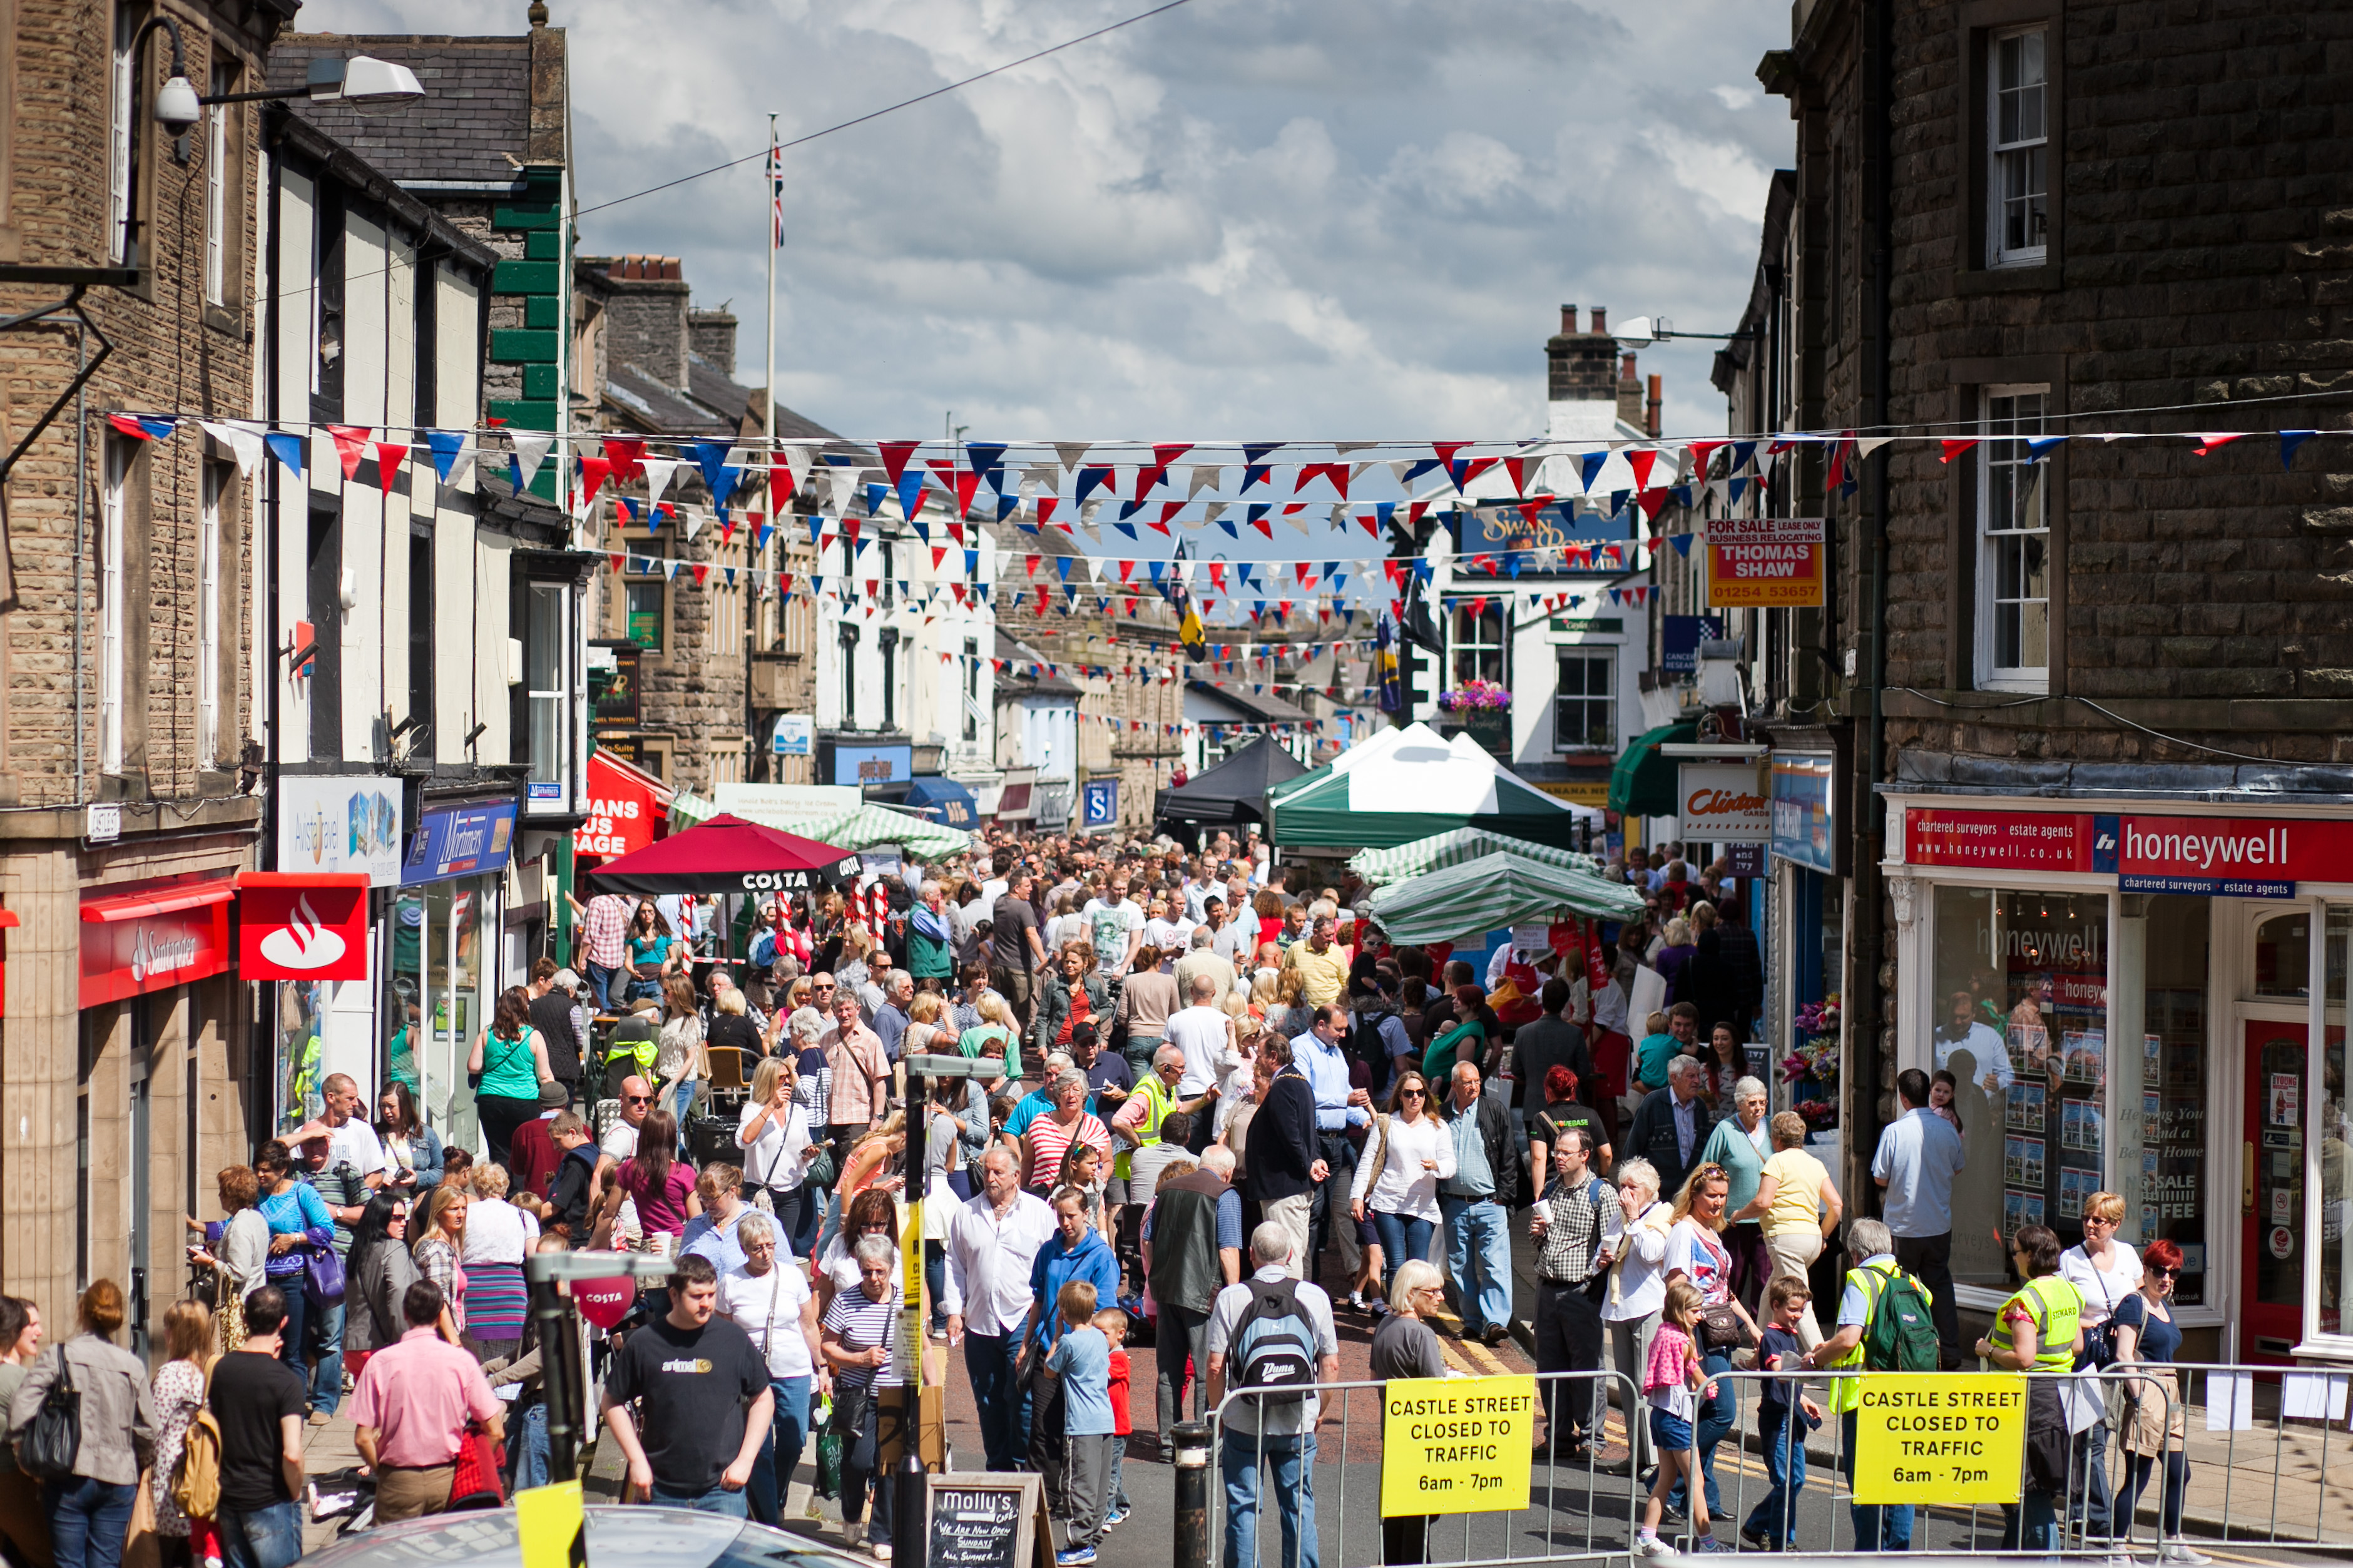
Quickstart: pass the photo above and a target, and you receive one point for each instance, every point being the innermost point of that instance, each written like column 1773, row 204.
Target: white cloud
column 1301, row 217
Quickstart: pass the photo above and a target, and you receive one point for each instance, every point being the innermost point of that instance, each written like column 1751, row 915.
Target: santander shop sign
column 302, row 926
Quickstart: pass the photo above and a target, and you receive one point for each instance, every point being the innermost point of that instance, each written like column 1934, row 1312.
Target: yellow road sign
column 1939, row 1437
column 550, row 1523
column 1457, row 1444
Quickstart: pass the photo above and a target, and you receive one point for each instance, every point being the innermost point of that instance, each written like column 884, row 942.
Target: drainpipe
column 1869, row 926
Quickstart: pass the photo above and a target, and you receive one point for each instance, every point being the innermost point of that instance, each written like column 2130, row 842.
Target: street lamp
column 362, row 82
column 1643, row 330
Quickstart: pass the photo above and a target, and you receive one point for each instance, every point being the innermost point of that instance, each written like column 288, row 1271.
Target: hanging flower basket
column 1476, row 696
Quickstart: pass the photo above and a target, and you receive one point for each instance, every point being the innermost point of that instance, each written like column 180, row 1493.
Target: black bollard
column 908, row 1526
column 1191, row 1445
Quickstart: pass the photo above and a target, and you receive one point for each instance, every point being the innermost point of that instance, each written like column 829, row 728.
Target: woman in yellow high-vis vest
column 2039, row 1331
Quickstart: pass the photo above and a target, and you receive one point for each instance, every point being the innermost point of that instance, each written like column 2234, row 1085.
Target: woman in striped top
column 855, row 1337
column 1050, row 1136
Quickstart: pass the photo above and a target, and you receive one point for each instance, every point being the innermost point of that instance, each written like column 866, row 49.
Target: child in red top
column 1112, row 1322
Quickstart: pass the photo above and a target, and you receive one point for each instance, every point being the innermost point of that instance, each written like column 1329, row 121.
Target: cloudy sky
column 1242, row 218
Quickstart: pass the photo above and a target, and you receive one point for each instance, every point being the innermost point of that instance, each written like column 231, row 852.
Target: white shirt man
column 1116, row 927
column 1199, row 1031
column 992, row 1242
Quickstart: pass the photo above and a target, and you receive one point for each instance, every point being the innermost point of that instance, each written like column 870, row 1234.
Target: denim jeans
column 1716, row 1416
column 1403, row 1236
column 1782, row 1433
column 988, row 1361
column 1293, row 1460
column 326, row 1330
column 1877, row 1529
column 604, row 986
column 267, row 1538
column 1478, row 1232
column 289, row 1333
column 718, row 1500
column 88, row 1520
column 780, row 1451
column 531, row 1452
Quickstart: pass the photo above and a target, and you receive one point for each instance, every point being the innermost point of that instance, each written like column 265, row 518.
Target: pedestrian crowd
column 1192, row 1110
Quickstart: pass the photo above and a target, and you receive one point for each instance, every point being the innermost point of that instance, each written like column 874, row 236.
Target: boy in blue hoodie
column 1074, row 1254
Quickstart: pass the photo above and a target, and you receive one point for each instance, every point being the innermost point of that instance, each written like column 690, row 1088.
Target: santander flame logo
column 303, row 941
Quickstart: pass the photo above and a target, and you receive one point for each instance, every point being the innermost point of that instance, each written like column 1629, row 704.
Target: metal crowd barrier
column 2230, row 1497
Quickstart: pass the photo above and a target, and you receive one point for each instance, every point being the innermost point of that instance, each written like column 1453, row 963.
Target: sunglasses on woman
column 1413, row 1094
column 2166, row 1271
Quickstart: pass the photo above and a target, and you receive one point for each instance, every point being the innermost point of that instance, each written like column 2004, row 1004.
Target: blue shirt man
column 1317, row 1052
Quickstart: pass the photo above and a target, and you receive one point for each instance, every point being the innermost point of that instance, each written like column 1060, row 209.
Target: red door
column 2271, row 1191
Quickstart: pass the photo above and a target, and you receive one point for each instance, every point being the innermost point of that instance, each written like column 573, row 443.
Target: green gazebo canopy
column 1383, row 867
column 1492, row 893
column 1405, row 785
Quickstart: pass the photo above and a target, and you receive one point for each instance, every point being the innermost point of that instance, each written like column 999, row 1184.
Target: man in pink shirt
column 861, row 1076
column 415, row 1401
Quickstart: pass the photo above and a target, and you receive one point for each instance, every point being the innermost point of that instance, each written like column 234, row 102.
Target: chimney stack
column 1629, row 392
column 1651, row 423
column 1578, row 363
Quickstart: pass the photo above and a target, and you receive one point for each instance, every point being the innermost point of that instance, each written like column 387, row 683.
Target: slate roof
column 476, row 108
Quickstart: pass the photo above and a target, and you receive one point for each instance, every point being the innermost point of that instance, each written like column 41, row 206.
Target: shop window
column 1585, row 702
column 2162, row 1083
column 2021, row 1002
column 2284, row 956
column 2331, row 1135
column 2014, row 532
column 1476, row 639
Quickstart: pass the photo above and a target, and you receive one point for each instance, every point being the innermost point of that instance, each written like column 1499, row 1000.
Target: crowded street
column 1175, row 783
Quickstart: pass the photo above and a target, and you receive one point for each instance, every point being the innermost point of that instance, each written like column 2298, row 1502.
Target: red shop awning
column 163, row 901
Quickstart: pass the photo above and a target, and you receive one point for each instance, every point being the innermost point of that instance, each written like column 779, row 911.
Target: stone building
column 717, row 653
column 128, row 663
column 2070, row 727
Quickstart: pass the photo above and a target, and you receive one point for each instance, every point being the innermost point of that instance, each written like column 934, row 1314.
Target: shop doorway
column 2271, row 1197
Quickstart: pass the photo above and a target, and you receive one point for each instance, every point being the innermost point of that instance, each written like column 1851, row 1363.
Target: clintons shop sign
column 2225, row 856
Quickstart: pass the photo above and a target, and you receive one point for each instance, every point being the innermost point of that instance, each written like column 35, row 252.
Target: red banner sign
column 296, row 927
column 1998, row 840
column 1773, row 561
column 153, row 939
column 623, row 806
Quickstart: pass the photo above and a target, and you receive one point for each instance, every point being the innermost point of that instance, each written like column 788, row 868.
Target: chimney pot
column 1652, row 419
column 1600, row 321
column 1568, row 321
column 1626, row 368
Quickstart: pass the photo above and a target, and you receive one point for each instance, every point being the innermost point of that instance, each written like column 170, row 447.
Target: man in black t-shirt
column 261, row 1404
column 1014, row 954
column 706, row 1400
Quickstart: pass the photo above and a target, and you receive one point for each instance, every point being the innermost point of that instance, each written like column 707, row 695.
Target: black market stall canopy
column 1234, row 791
column 726, row 855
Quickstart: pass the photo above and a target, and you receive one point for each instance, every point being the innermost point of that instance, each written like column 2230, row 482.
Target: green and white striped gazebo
column 1383, row 867
column 1492, row 893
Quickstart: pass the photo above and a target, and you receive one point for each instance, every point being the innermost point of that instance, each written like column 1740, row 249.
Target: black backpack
column 1273, row 1344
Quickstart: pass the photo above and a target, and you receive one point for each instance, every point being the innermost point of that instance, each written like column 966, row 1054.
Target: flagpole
column 774, row 219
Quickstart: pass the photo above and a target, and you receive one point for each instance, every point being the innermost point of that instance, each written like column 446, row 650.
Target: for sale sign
column 1764, row 563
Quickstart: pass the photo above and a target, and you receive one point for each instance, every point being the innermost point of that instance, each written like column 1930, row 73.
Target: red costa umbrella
column 726, row 855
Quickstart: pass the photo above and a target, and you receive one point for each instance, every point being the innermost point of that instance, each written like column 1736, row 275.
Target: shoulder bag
column 53, row 1442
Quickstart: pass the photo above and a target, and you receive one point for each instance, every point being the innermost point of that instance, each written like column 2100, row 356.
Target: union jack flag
column 777, row 194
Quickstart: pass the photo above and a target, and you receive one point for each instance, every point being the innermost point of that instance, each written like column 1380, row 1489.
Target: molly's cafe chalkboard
column 983, row 1518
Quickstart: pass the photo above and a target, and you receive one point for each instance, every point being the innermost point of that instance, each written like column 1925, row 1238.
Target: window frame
column 555, row 768
column 1989, row 459
column 219, row 204
column 971, row 689
column 120, row 187
column 660, row 587
column 1457, row 607
column 1998, row 255
column 218, row 488
column 119, row 458
column 1606, row 657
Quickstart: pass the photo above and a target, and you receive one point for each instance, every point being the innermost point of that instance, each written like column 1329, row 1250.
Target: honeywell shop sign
column 2234, row 856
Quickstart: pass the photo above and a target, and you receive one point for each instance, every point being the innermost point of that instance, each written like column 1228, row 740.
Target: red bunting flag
column 701, row 569
column 895, row 457
column 1046, row 505
column 1029, row 562
column 1163, row 453
column 1702, row 452
column 350, row 445
column 593, row 474
column 389, row 456
column 1518, row 469
column 1168, row 510
column 628, row 457
column 1954, row 446
column 2208, row 440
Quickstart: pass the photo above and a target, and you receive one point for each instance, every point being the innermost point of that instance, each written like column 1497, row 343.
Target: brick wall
column 2202, row 254
column 172, row 352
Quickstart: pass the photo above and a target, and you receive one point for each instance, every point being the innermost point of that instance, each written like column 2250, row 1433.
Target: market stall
column 1405, row 785
column 1234, row 792
column 1385, row 867
column 725, row 855
column 1493, row 893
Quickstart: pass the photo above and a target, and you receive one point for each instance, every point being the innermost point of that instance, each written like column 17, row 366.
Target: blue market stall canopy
column 944, row 800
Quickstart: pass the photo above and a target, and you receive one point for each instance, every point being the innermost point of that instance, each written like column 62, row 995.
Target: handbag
column 1722, row 1328
column 828, row 1452
column 142, row 1547
column 50, row 1445
column 323, row 1282
column 474, row 1480
column 820, row 1172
